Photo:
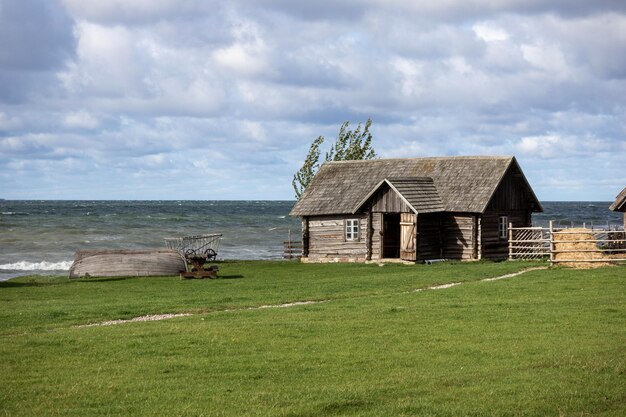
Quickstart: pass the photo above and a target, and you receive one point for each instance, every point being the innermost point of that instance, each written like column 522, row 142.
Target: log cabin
column 414, row 209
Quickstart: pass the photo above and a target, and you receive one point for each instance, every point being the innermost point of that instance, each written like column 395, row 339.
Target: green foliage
column 350, row 145
column 303, row 177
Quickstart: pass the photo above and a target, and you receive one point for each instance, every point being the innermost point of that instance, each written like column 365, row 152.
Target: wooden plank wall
column 377, row 221
column 458, row 232
column 448, row 236
column 327, row 239
column 440, row 235
column 493, row 247
column 511, row 193
column 430, row 236
column 408, row 236
column 387, row 200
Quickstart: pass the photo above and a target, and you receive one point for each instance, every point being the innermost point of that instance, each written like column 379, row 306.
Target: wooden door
column 391, row 236
column 408, row 236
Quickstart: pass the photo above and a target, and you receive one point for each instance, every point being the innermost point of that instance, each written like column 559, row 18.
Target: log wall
column 494, row 247
column 327, row 242
column 377, row 221
column 429, row 237
column 439, row 235
column 458, row 236
column 447, row 236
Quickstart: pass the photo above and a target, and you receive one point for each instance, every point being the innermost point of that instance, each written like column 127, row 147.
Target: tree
column 311, row 164
column 350, row 145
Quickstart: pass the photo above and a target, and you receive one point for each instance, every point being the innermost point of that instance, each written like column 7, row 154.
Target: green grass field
column 545, row 343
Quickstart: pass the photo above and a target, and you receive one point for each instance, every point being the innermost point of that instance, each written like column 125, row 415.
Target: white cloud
column 551, row 146
column 248, row 54
column 108, row 62
column 12, row 144
column 81, row 120
column 245, row 59
column 242, row 88
column 9, row 122
column 542, row 146
column 549, row 58
column 134, row 11
column 408, row 72
column 490, row 33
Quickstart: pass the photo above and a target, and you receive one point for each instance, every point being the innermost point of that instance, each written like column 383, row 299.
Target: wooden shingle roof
column 463, row 183
column 620, row 202
column 419, row 193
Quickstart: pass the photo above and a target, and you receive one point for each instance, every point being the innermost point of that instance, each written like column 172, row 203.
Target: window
column 503, row 225
column 352, row 229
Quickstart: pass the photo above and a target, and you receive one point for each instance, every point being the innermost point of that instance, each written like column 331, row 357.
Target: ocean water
column 578, row 214
column 40, row 237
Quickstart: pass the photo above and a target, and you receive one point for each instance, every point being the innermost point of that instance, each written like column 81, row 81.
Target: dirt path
column 156, row 317
column 453, row 284
column 153, row 317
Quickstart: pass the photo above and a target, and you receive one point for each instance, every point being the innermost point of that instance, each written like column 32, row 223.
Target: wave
column 13, row 213
column 37, row 266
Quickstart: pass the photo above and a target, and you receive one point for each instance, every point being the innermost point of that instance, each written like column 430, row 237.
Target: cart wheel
column 190, row 252
column 210, row 254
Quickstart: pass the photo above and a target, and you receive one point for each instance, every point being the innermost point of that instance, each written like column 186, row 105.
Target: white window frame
column 503, row 227
column 352, row 229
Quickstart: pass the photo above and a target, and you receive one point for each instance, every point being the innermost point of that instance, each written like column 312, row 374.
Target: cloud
column 490, row 33
column 35, row 35
column 139, row 92
column 136, row 11
column 36, row 38
column 247, row 55
column 81, row 120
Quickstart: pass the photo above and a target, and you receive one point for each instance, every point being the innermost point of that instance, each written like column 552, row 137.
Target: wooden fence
column 567, row 245
column 292, row 249
column 528, row 242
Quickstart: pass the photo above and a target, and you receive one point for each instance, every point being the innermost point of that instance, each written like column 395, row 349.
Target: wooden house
column 414, row 209
column 620, row 204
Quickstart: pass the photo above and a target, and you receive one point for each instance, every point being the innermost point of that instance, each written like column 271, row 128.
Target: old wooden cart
column 197, row 251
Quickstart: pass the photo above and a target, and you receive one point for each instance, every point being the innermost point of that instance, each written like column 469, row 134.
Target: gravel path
column 156, row 317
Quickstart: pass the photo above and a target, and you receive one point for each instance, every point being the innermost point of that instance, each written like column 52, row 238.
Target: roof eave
column 620, row 202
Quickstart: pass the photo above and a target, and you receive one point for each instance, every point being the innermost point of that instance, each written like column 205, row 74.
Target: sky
column 210, row 100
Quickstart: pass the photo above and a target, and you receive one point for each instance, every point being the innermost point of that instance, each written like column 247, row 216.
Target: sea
column 40, row 237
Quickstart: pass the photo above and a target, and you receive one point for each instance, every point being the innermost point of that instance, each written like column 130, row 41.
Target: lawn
column 548, row 342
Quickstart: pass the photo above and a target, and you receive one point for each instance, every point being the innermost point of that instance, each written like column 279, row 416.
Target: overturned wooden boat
column 127, row 263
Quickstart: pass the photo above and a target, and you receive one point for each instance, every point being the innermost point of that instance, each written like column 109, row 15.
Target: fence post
column 551, row 237
column 510, row 241
column 289, row 240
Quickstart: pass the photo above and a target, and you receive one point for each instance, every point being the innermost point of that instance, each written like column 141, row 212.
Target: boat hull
column 126, row 263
